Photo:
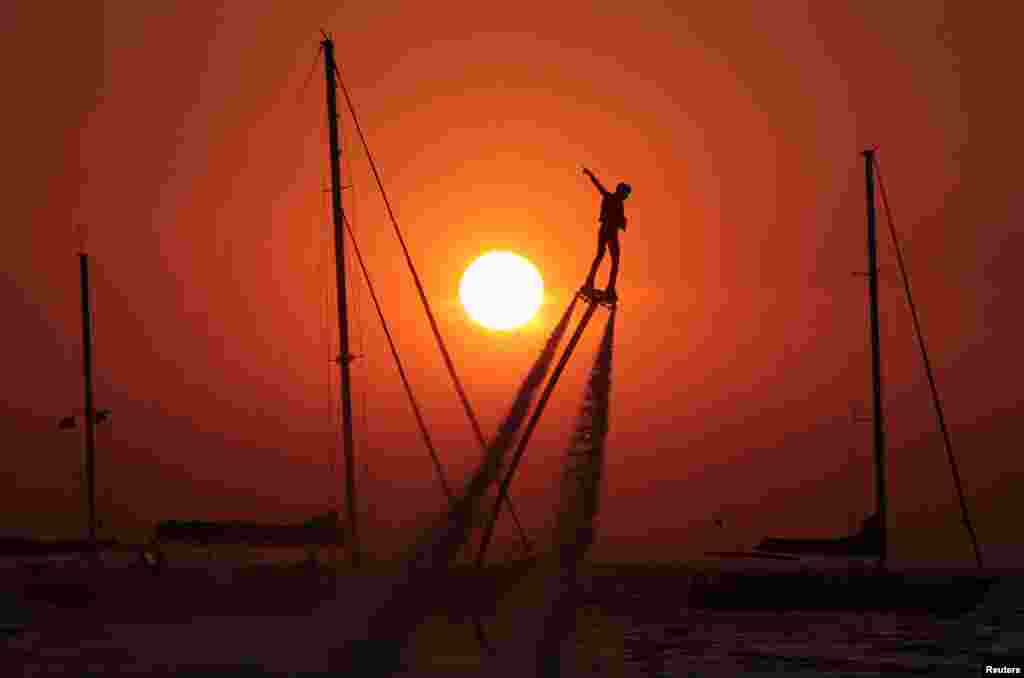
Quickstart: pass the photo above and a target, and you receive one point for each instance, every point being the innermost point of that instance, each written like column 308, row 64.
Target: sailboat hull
column 940, row 595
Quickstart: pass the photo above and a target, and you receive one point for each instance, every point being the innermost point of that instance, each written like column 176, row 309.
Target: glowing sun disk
column 501, row 290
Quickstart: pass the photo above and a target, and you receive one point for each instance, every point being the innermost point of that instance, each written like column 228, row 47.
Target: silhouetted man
column 613, row 217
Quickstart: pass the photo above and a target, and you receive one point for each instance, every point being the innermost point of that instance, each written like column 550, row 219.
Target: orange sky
column 188, row 141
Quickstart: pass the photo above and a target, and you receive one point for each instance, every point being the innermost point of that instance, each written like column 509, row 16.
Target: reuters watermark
column 1005, row 670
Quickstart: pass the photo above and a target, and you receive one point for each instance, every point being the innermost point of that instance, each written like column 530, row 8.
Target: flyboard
column 596, row 296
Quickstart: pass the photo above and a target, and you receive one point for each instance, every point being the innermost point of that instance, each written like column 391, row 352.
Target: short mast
column 90, row 416
column 876, row 369
column 344, row 357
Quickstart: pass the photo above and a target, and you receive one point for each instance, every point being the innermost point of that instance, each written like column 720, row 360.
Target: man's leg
column 613, row 247
column 601, row 244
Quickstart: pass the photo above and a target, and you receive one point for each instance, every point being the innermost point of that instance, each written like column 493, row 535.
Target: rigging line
column 358, row 396
column 363, row 438
column 416, row 278
column 423, row 295
column 401, row 370
column 928, row 371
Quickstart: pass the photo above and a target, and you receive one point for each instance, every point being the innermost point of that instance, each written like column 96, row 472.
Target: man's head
column 623, row 190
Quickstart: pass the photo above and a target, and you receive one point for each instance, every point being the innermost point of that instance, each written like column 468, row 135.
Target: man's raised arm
column 597, row 183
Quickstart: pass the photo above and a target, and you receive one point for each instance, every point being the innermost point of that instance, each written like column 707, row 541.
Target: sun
column 501, row 290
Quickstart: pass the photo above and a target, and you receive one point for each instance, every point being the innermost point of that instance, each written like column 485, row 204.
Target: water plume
column 393, row 606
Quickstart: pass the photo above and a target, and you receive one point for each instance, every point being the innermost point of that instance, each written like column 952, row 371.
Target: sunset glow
column 199, row 182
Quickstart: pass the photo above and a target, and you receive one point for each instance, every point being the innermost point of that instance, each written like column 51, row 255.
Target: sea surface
column 633, row 633
column 794, row 643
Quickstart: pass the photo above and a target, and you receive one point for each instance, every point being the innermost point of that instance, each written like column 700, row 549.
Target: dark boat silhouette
column 857, row 587
column 26, row 547
column 866, row 542
column 318, row 531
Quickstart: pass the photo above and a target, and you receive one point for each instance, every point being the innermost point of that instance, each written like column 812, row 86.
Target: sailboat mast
column 344, row 357
column 90, row 417
column 876, row 370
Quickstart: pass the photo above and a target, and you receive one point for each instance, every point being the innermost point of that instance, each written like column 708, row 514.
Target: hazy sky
column 189, row 139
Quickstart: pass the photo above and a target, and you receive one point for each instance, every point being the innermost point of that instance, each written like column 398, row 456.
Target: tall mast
column 90, row 422
column 876, row 370
column 344, row 357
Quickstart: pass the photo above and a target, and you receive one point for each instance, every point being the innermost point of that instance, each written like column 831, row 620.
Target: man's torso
column 613, row 215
